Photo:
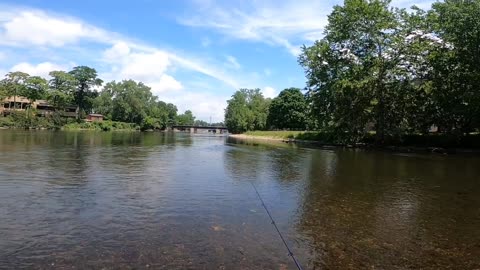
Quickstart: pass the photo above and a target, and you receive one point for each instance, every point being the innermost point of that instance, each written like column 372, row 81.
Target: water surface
column 83, row 200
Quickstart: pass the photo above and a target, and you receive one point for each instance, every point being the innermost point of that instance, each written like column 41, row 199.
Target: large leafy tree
column 456, row 73
column 246, row 110
column 14, row 84
column 35, row 88
column 103, row 103
column 288, row 111
column 186, row 118
column 352, row 72
column 62, row 88
column 160, row 115
column 87, row 80
column 130, row 100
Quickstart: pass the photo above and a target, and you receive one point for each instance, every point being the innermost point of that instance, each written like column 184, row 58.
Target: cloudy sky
column 193, row 53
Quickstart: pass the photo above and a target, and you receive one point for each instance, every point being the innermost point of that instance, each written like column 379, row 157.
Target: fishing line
column 290, row 253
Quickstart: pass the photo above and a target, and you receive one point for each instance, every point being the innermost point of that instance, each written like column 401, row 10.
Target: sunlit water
column 81, row 200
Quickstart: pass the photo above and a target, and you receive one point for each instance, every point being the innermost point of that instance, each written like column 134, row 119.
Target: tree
column 14, row 84
column 130, row 101
column 85, row 93
column 62, row 89
column 246, row 110
column 103, row 103
column 352, row 71
column 35, row 88
column 456, row 72
column 186, row 118
column 201, row 123
column 288, row 110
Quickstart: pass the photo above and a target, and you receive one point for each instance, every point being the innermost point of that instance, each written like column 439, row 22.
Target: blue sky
column 193, row 53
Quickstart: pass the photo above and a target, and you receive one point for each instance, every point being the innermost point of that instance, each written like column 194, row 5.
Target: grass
column 471, row 141
column 297, row 135
column 275, row 134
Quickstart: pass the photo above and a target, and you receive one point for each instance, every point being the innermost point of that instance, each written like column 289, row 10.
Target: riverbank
column 101, row 126
column 433, row 143
column 58, row 123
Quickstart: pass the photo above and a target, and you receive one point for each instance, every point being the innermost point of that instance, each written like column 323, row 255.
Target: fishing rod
column 290, row 253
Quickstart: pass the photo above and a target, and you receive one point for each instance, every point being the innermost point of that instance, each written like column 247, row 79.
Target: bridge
column 200, row 129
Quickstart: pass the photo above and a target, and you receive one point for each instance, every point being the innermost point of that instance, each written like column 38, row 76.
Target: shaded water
column 150, row 200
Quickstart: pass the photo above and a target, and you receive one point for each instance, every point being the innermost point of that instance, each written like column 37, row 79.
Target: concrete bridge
column 200, row 129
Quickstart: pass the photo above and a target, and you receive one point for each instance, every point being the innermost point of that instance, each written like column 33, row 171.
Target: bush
column 100, row 126
column 6, row 122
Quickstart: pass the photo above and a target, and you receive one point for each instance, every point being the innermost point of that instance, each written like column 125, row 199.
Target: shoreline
column 386, row 148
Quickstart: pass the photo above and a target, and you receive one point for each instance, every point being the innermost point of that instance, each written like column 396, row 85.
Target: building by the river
column 42, row 107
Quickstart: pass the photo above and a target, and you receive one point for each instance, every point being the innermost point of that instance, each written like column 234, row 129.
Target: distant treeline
column 380, row 70
column 127, row 101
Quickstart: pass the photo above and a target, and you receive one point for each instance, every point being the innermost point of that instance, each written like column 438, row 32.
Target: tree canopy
column 399, row 72
column 289, row 110
column 246, row 110
column 125, row 101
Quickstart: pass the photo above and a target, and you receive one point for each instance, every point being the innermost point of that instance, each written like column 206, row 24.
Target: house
column 14, row 103
column 94, row 117
column 43, row 108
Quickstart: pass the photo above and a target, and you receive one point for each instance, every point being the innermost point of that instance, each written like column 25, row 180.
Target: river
column 93, row 200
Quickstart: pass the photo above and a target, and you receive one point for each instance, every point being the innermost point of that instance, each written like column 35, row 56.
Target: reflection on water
column 164, row 201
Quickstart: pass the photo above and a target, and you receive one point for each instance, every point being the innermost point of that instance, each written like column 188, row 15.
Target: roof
column 17, row 99
column 96, row 114
column 43, row 103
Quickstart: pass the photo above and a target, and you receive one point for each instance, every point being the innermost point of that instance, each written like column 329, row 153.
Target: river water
column 85, row 200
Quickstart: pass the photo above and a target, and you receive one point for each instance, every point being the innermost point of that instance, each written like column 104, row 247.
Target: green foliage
column 246, row 110
column 456, row 73
column 102, row 126
column 13, row 84
column 126, row 101
column 62, row 89
column 186, row 118
column 398, row 72
column 35, row 88
column 29, row 120
column 85, row 92
column 201, row 123
column 129, row 101
column 288, row 111
column 318, row 136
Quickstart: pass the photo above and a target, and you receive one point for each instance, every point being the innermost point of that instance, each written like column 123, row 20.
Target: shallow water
column 76, row 200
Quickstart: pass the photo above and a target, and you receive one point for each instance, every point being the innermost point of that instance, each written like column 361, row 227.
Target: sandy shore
column 251, row 137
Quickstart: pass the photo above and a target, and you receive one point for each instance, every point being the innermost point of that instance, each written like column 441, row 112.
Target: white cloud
column 206, row 69
column 232, row 62
column 56, row 39
column 41, row 69
column 118, row 50
column 289, row 23
column 165, row 83
column 29, row 27
column 147, row 67
column 269, row 92
column 313, row 36
column 3, row 56
column 38, row 28
column 203, row 104
column 277, row 23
